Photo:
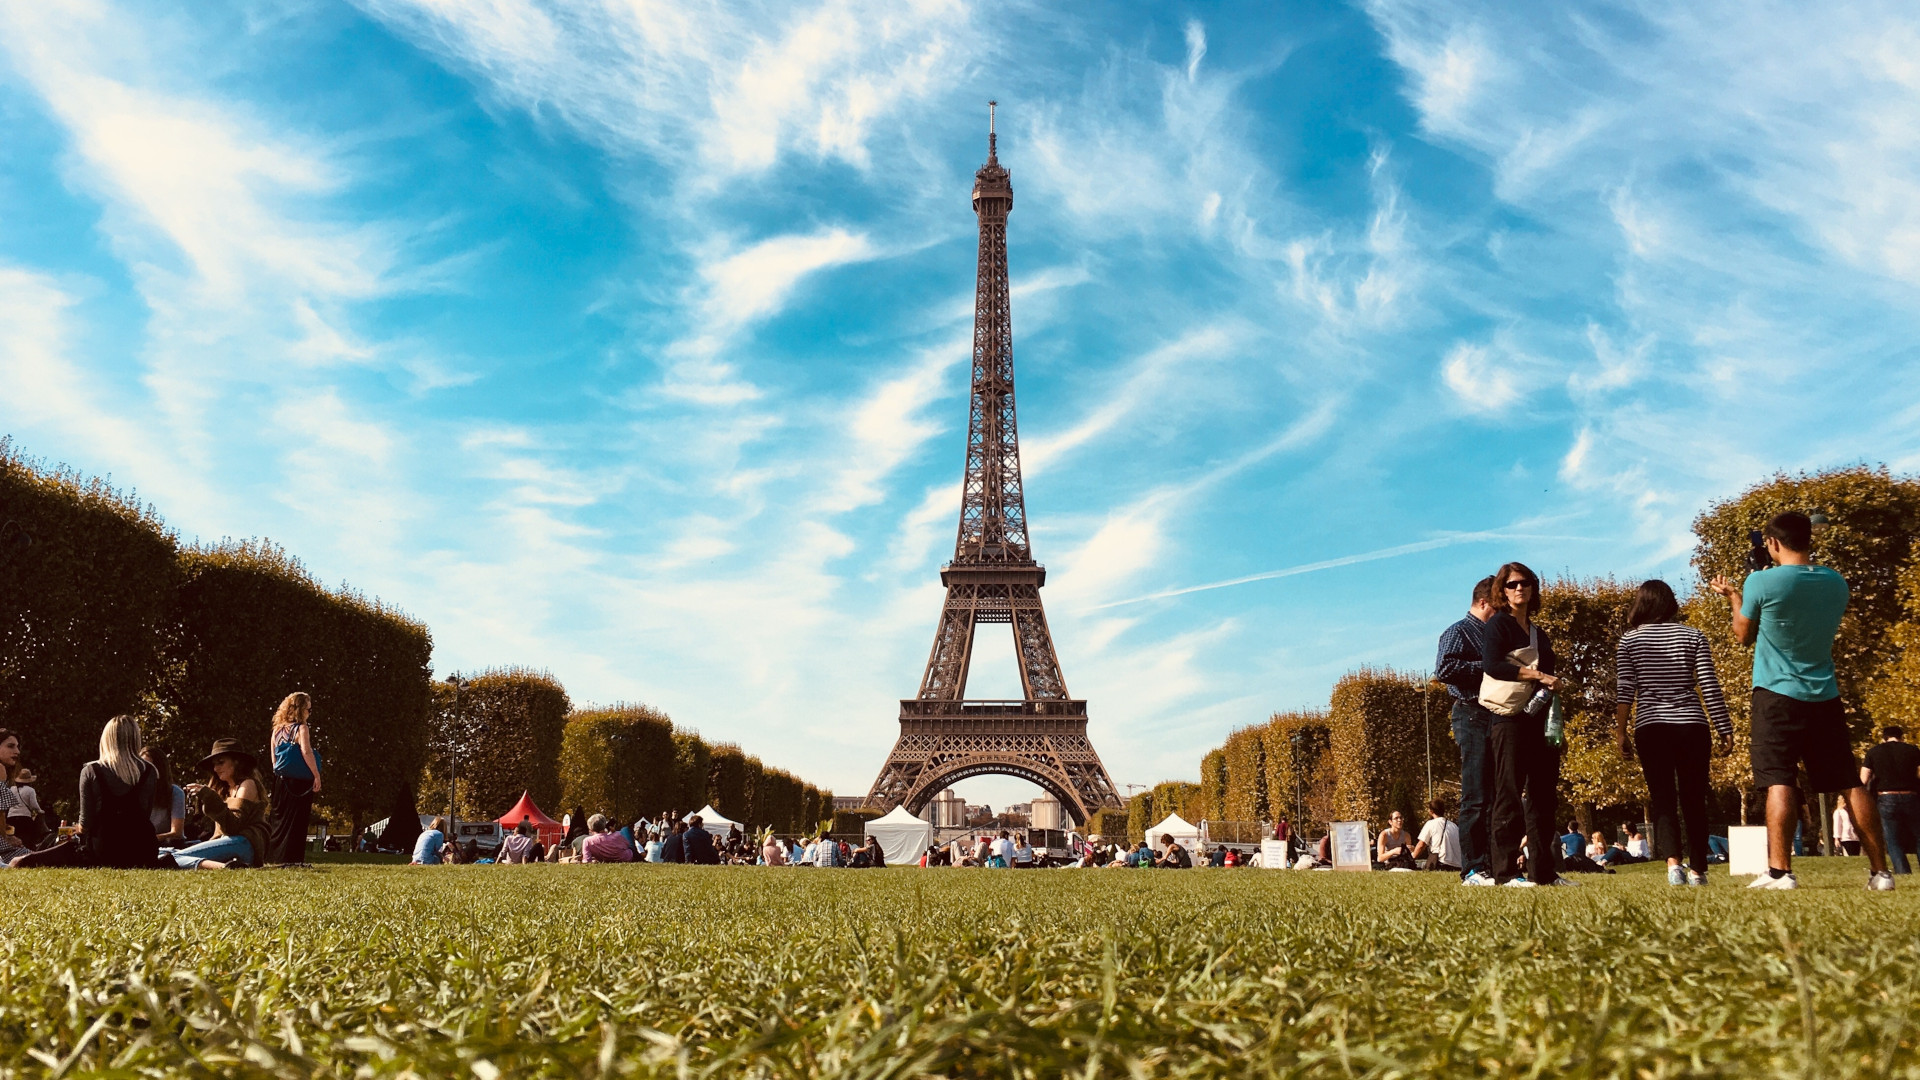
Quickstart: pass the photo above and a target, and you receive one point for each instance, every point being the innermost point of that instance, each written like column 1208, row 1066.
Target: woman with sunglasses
column 1518, row 662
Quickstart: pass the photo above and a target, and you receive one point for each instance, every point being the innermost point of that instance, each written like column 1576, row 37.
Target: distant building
column 849, row 802
column 1045, row 813
column 1024, row 809
column 977, row 810
column 948, row 810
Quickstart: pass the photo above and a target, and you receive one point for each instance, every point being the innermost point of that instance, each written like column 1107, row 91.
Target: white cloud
column 1478, row 383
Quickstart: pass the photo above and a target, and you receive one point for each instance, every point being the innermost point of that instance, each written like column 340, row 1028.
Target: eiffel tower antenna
column 993, row 578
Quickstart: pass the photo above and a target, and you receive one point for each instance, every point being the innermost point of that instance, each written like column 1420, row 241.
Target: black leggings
column 1674, row 756
column 1526, row 770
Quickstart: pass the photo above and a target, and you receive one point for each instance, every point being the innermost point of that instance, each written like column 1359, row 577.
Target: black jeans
column 1470, row 724
column 1900, row 827
column 1526, row 771
column 1674, row 758
column 287, row 832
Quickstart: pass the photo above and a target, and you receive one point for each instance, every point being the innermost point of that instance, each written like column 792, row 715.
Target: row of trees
column 103, row 611
column 514, row 730
column 1366, row 754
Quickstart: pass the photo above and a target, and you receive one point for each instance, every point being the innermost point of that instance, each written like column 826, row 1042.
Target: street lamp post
column 1296, row 738
column 453, row 754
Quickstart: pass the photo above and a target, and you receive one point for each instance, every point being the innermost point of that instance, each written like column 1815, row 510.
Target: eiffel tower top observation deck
column 993, row 578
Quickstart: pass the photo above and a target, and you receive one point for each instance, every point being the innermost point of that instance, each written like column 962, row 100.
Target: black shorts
column 1788, row 731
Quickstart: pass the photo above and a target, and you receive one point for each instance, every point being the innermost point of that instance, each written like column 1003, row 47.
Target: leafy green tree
column 505, row 739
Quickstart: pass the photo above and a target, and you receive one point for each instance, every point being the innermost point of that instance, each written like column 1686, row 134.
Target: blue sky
column 627, row 339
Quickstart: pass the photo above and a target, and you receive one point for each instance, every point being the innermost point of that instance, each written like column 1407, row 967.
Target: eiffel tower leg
column 952, row 648
column 1039, row 667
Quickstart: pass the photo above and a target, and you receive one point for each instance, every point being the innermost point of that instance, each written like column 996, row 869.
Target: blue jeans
column 222, row 849
column 1900, row 825
column 1470, row 724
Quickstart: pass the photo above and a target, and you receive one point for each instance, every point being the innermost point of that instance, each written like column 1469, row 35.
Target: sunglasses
column 1518, row 583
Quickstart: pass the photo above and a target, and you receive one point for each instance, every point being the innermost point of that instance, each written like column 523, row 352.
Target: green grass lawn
column 666, row 971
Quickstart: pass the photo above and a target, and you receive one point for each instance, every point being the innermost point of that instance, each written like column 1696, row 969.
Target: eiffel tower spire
column 993, row 578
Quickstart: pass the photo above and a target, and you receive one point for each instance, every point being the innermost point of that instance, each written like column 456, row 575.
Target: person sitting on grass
column 1394, row 847
column 116, row 797
column 1023, row 854
column 522, row 845
column 699, row 843
column 1173, row 856
column 870, row 855
column 1573, row 845
column 604, row 842
column 1439, row 845
column 12, row 846
column 1638, row 847
column 234, row 799
column 430, row 848
column 773, row 852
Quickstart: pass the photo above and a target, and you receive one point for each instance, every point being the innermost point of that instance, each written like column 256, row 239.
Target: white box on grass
column 1747, row 849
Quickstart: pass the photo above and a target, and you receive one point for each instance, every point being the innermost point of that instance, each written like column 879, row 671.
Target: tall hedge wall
column 1378, row 744
column 249, row 625
column 507, row 739
column 1304, row 760
column 86, row 577
column 618, row 761
column 1246, row 788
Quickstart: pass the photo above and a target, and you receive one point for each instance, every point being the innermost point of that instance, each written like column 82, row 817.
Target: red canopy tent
column 551, row 831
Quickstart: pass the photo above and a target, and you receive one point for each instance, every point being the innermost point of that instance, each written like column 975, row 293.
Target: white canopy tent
column 903, row 837
column 715, row 822
column 1184, row 832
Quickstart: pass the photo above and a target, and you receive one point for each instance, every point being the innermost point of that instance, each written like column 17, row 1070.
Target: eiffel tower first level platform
column 993, row 579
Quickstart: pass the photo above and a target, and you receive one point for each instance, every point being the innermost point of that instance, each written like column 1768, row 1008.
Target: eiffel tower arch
column 993, row 578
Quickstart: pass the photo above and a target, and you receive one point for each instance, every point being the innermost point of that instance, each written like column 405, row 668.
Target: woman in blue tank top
column 296, row 779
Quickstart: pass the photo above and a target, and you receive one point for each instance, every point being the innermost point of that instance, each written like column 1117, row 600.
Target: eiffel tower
column 993, row 578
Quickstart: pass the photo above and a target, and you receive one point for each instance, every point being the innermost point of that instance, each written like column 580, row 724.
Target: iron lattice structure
column 993, row 578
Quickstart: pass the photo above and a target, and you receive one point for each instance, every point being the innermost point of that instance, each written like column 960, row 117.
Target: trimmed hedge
column 1108, row 824
column 1140, row 816
column 249, row 625
column 1246, row 788
column 1306, row 761
column 1179, row 797
column 1378, row 744
column 508, row 737
column 618, row 760
column 690, row 759
column 87, row 575
column 1213, row 784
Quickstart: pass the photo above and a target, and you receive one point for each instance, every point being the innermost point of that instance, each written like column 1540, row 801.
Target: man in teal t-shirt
column 1789, row 613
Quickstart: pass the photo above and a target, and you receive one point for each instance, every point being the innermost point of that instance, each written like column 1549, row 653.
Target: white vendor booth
column 716, row 823
column 903, row 837
column 1184, row 833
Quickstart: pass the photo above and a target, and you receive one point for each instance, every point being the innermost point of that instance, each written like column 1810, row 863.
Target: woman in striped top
column 1666, row 683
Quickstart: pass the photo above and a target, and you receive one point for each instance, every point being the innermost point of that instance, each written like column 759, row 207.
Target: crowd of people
column 132, row 815
column 1670, row 714
column 1498, row 664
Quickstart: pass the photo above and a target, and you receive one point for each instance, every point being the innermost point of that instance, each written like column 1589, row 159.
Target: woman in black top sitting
column 116, row 802
column 1526, row 769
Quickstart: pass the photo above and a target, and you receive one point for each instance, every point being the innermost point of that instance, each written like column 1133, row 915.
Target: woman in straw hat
column 233, row 799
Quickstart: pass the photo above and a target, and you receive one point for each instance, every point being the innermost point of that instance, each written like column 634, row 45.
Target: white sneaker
column 1881, row 881
column 1676, row 876
column 1478, row 880
column 1519, row 883
column 1696, row 878
column 1768, row 881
